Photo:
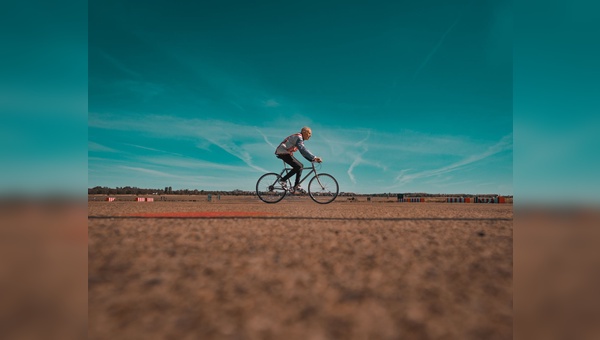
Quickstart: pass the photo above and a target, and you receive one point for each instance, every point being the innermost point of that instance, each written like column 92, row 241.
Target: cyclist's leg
column 295, row 164
column 299, row 167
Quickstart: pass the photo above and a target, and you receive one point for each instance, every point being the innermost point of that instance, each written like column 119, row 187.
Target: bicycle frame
column 313, row 170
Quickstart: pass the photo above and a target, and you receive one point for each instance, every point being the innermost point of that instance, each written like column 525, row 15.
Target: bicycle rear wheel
column 268, row 188
column 323, row 188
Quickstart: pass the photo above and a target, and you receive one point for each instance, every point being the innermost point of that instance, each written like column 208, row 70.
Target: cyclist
column 285, row 151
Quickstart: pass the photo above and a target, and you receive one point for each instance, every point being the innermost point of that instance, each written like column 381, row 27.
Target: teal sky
column 402, row 96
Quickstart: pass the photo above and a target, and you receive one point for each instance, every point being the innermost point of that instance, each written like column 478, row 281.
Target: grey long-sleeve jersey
column 292, row 144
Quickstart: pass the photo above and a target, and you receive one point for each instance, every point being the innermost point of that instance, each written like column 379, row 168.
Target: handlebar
column 317, row 165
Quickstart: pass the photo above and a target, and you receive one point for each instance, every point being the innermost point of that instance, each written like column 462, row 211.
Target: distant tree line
column 98, row 190
column 169, row 191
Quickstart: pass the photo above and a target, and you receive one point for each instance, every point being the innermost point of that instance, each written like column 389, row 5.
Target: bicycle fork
column 319, row 181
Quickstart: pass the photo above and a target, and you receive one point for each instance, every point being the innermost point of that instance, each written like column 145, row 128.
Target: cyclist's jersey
column 292, row 144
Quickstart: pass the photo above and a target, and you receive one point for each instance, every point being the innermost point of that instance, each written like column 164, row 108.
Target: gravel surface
column 346, row 270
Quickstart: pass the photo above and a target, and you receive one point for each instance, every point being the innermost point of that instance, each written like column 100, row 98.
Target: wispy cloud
column 358, row 157
column 403, row 142
column 92, row 146
column 357, row 160
column 504, row 144
column 152, row 149
column 119, row 65
column 143, row 89
column 230, row 147
column 266, row 139
column 364, row 140
column 189, row 164
column 271, row 103
column 227, row 136
column 237, row 106
column 180, row 174
column 148, row 171
column 353, row 149
column 435, row 48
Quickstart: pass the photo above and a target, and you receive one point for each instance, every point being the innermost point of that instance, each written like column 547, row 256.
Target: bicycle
column 322, row 188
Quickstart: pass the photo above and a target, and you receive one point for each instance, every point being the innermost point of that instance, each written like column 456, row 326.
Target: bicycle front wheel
column 323, row 188
column 268, row 188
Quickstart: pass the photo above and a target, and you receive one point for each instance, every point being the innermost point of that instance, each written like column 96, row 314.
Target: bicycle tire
column 268, row 188
column 323, row 188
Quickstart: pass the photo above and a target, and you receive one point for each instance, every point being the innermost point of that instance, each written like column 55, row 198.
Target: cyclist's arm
column 304, row 151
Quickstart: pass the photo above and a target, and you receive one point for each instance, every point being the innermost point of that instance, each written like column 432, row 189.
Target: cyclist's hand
column 318, row 159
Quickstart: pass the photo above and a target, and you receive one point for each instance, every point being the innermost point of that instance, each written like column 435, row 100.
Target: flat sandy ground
column 299, row 270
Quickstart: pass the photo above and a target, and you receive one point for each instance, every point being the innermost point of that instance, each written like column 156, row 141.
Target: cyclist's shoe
column 283, row 185
column 298, row 190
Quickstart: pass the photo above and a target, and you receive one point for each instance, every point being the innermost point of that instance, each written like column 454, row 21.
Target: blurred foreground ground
column 556, row 272
column 43, row 266
column 378, row 270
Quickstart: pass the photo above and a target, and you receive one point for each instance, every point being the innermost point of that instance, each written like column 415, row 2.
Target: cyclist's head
column 306, row 132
